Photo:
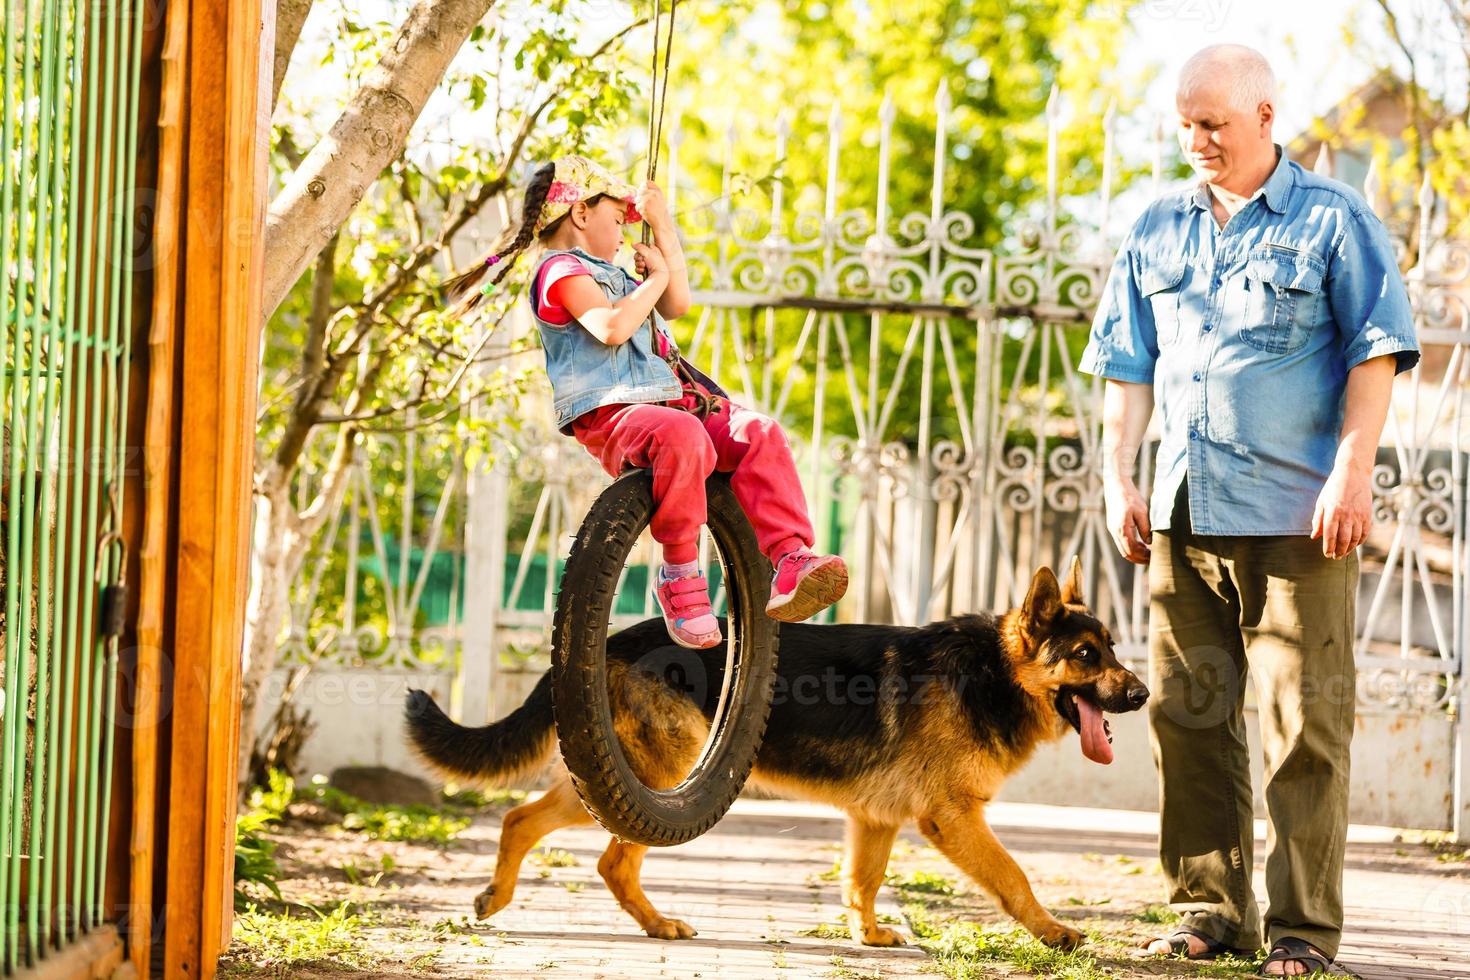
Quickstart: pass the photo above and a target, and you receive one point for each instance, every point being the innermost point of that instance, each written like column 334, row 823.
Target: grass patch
column 842, row 970
column 256, row 870
column 832, row 873
column 554, row 857
column 424, row 962
column 276, row 942
column 1158, row 915
column 923, row 882
column 473, row 799
column 415, row 824
column 828, row 930
column 360, row 876
column 964, row 951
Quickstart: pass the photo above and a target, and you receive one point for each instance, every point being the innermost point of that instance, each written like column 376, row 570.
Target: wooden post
column 214, row 137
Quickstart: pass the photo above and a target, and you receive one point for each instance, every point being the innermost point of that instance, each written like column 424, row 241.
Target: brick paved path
column 752, row 886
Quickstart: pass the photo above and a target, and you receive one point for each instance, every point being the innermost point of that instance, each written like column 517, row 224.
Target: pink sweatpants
column 682, row 451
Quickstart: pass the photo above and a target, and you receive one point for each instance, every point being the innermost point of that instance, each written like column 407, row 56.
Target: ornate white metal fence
column 948, row 442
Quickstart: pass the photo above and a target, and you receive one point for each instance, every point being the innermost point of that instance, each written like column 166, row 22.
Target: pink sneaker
column 686, row 609
column 805, row 584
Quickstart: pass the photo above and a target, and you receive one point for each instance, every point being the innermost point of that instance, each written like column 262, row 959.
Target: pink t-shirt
column 553, row 271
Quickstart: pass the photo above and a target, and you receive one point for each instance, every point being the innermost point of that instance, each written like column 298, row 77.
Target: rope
column 659, row 92
column 658, row 99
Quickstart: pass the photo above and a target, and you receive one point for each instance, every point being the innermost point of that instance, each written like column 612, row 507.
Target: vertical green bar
column 47, row 257
column 21, row 525
column 80, row 266
column 119, row 345
column 64, row 611
column 83, row 545
column 9, row 362
column 91, row 722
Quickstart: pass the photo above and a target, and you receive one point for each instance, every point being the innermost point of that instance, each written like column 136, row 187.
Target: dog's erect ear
column 1044, row 599
column 1072, row 590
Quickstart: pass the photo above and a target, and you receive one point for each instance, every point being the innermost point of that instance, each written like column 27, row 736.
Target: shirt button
column 1196, row 376
column 1193, row 434
column 1208, row 327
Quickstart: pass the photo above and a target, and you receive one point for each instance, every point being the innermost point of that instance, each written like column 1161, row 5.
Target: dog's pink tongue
column 1094, row 738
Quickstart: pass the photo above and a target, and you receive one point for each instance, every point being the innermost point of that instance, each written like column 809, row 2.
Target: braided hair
column 508, row 247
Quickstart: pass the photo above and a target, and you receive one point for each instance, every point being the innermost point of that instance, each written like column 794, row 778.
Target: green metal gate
column 66, row 234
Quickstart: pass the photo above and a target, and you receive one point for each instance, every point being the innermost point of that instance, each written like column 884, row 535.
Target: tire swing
column 614, row 794
column 601, row 773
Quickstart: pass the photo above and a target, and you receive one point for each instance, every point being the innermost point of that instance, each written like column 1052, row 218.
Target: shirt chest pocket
column 1161, row 284
column 1283, row 298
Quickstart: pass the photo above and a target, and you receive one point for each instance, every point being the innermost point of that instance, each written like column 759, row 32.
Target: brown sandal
column 1288, row 949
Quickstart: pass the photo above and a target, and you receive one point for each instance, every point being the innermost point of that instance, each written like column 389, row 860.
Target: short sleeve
column 1123, row 343
column 552, row 271
column 1369, row 302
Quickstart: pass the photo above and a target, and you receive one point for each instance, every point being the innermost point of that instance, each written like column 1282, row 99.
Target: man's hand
column 1344, row 513
column 1127, row 517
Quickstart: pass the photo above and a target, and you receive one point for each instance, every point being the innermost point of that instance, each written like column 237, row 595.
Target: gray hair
column 1244, row 71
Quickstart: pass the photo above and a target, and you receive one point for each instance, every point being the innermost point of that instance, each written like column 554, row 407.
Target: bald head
column 1240, row 75
column 1227, row 103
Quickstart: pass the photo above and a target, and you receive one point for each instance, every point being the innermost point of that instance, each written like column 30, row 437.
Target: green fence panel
column 70, row 89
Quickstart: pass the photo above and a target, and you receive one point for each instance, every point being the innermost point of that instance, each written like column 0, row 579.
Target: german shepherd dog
column 926, row 725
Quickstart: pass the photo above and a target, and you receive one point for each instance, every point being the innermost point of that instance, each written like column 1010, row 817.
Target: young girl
column 621, row 389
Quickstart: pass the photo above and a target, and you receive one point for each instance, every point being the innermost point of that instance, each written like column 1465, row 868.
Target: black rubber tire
column 614, row 794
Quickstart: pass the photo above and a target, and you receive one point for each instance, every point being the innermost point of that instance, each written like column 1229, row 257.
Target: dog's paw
column 486, row 904
column 670, row 929
column 882, row 936
column 1059, row 936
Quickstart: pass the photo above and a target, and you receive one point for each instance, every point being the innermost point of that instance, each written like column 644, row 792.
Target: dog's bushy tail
column 514, row 746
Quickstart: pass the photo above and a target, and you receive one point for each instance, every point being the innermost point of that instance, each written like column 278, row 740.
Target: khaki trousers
column 1274, row 605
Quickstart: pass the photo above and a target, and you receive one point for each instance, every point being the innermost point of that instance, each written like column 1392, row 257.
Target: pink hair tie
column 492, row 260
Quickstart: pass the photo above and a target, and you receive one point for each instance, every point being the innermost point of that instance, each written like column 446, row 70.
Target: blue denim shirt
column 1247, row 334
column 585, row 373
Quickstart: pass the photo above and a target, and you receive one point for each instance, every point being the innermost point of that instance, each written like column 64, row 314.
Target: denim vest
column 585, row 373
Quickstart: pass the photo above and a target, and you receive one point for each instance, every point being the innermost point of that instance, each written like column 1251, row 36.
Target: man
column 1264, row 308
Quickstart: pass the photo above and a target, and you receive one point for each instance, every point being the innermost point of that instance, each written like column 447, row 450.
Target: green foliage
column 539, row 75
column 828, row 930
column 1436, row 135
column 965, row 950
column 554, row 857
column 255, row 864
column 924, row 882
column 999, row 59
column 415, row 824
column 280, row 941
column 473, row 799
column 1160, row 914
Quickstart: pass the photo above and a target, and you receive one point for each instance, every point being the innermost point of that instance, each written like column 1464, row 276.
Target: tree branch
column 421, row 256
column 421, row 398
column 290, row 17
column 1416, row 119
column 371, row 131
column 318, row 377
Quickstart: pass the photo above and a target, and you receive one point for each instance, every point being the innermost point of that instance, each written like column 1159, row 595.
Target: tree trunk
column 267, row 608
column 283, row 536
column 371, row 131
